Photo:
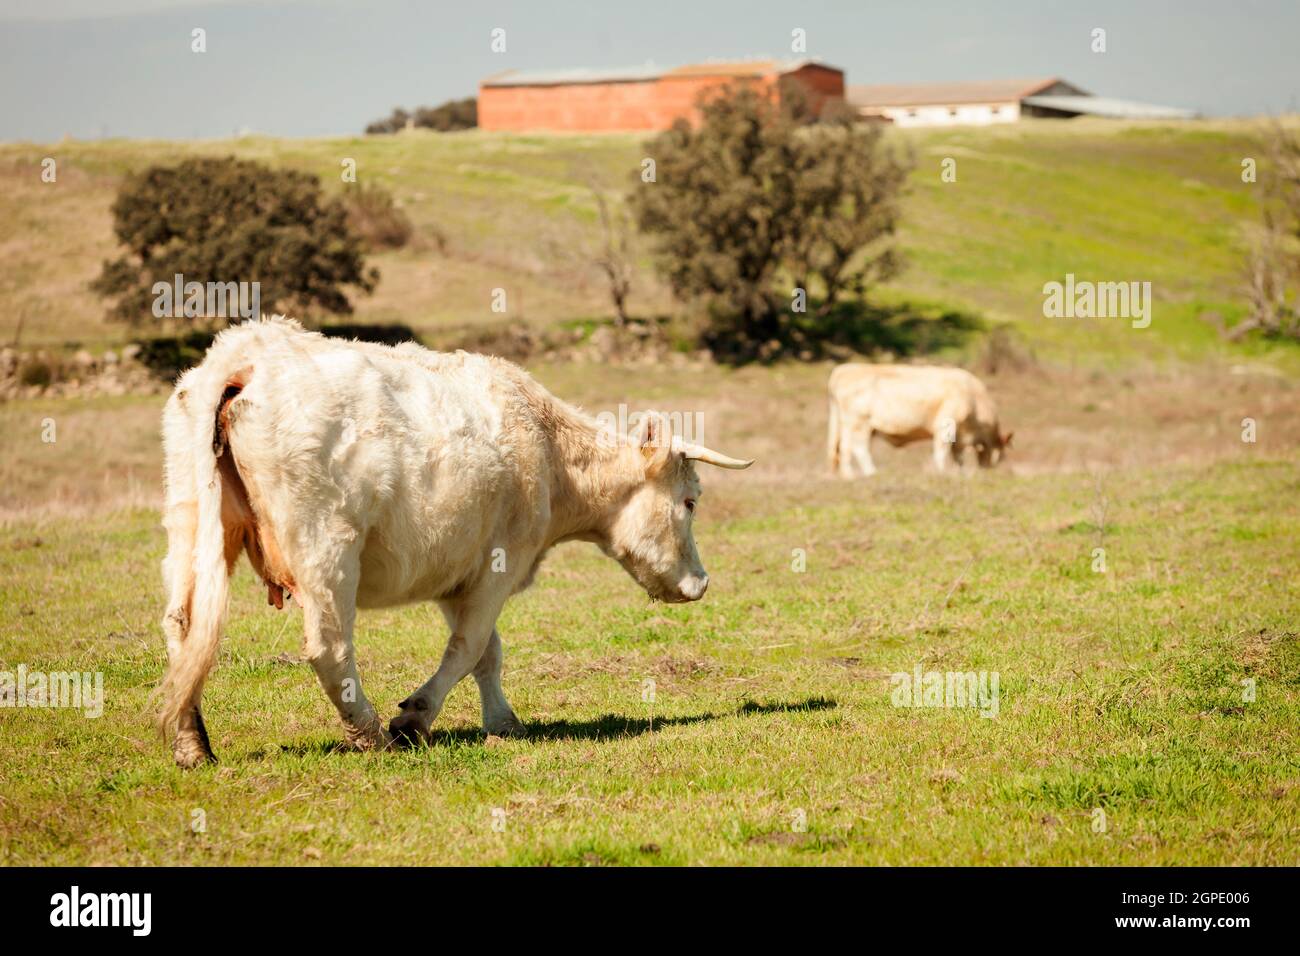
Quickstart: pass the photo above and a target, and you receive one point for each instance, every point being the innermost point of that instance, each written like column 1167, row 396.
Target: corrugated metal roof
column 1103, row 106
column 744, row 67
column 632, row 74
column 625, row 74
column 927, row 94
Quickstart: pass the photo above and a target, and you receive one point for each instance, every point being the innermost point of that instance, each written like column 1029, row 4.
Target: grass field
column 1147, row 713
column 1120, row 691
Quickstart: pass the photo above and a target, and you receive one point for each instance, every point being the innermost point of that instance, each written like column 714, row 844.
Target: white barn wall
column 955, row 114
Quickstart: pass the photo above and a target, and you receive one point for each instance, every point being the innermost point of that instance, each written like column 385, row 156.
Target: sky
column 96, row 68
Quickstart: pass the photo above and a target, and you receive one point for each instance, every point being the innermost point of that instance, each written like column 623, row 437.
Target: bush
column 39, row 371
column 392, row 333
column 452, row 115
column 374, row 216
column 1271, row 271
column 755, row 203
column 232, row 220
column 169, row 355
column 393, row 124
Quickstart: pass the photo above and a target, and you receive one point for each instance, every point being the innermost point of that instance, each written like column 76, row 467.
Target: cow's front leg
column 498, row 717
column 328, row 617
column 472, row 624
column 943, row 449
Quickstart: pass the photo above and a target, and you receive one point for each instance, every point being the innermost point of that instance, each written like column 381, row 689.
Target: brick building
column 635, row 99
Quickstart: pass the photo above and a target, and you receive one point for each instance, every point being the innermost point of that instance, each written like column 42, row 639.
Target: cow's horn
column 696, row 452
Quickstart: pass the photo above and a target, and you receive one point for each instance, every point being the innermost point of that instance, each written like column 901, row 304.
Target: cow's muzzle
column 692, row 588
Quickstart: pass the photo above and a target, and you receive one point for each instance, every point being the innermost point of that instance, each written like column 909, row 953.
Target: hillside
column 1032, row 202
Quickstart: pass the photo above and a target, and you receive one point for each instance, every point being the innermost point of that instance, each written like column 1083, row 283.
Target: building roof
column 625, row 74
column 1103, row 106
column 632, row 74
column 927, row 94
column 745, row 67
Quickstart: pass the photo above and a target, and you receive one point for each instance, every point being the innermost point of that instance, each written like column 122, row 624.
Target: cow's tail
column 196, row 571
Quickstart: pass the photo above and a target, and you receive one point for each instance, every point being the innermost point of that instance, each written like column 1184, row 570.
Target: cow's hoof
column 512, row 726
column 371, row 737
column 407, row 730
column 190, row 751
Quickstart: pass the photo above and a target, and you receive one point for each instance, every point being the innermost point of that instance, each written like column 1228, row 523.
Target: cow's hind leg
column 473, row 623
column 190, row 745
column 328, row 617
column 498, row 717
column 860, row 448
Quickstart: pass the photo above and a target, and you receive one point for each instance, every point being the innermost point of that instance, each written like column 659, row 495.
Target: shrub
column 392, row 124
column 1271, row 270
column 754, row 203
column 169, row 355
column 374, row 216
column 452, row 115
column 392, row 333
column 38, row 370
column 232, row 220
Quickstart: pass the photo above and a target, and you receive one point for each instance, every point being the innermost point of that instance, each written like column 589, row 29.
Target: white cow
column 358, row 475
column 908, row 403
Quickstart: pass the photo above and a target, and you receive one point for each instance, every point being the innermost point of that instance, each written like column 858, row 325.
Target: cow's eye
column 690, row 504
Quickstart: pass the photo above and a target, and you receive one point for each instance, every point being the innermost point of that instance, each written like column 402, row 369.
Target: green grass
column 1106, row 201
column 1119, row 691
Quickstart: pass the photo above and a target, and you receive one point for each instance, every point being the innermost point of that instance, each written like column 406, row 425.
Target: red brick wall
column 578, row 107
column 610, row 107
column 678, row 95
column 823, row 84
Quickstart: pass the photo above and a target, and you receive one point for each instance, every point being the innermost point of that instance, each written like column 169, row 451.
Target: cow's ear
column 1006, row 439
column 654, row 436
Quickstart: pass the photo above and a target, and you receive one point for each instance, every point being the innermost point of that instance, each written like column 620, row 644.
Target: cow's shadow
column 613, row 726
column 603, row 728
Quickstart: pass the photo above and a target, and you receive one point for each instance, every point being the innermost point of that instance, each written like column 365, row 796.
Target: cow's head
column 993, row 450
column 650, row 534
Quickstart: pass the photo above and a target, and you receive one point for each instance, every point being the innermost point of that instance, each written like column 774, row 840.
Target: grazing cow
column 359, row 475
column 908, row 403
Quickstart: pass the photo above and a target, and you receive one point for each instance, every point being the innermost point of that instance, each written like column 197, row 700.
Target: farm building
column 636, row 98
column 985, row 102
